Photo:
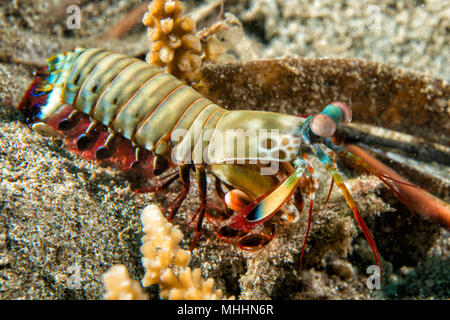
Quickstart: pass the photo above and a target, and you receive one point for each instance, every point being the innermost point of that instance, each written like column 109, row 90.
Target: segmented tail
column 43, row 105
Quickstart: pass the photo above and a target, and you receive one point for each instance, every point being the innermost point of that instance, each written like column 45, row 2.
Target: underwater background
column 61, row 215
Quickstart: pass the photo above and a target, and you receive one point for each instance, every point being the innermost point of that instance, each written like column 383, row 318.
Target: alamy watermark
column 73, row 21
column 374, row 280
column 74, row 280
column 374, row 21
column 266, row 147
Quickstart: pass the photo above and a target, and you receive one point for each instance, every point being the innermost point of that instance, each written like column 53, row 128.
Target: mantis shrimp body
column 121, row 111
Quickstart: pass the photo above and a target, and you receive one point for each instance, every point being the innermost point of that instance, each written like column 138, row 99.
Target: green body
column 153, row 108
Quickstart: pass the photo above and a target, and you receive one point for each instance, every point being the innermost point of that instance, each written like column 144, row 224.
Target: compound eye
column 346, row 111
column 322, row 125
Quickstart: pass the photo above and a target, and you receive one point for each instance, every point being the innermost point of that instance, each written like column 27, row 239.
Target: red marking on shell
column 124, row 153
column 322, row 125
column 56, row 118
column 123, row 156
column 346, row 111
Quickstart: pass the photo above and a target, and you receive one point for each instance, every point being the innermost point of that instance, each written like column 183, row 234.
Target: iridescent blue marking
column 322, row 155
column 35, row 93
column 256, row 214
column 305, row 133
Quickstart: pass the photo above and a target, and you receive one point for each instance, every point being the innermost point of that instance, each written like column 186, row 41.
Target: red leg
column 311, row 203
column 255, row 241
column 202, row 184
column 307, row 230
column 161, row 185
column 172, row 208
column 214, row 213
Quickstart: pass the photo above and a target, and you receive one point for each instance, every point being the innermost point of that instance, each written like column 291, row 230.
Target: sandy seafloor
column 59, row 212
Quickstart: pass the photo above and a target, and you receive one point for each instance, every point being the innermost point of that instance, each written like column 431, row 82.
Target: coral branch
column 119, row 285
column 173, row 43
column 165, row 263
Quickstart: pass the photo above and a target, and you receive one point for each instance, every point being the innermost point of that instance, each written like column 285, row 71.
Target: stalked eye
column 322, row 125
column 346, row 111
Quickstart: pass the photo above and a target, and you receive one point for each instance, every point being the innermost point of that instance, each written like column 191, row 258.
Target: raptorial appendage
column 173, row 41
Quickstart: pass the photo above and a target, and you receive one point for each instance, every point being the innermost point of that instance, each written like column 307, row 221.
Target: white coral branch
column 165, row 263
column 119, row 285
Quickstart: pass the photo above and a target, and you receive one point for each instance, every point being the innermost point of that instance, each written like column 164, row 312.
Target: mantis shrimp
column 122, row 111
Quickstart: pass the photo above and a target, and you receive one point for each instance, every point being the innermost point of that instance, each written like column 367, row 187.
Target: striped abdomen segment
column 134, row 99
